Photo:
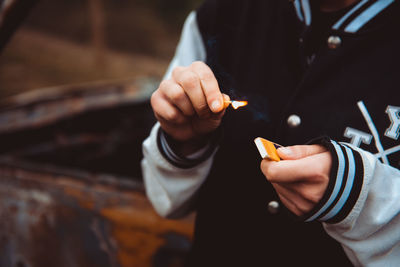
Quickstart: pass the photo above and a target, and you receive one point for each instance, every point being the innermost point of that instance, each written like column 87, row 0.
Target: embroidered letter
column 357, row 136
column 394, row 130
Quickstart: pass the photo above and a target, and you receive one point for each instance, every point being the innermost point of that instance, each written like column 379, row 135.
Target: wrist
column 346, row 181
column 189, row 153
column 188, row 147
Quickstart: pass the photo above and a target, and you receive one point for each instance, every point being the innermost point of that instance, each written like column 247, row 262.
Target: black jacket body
column 256, row 50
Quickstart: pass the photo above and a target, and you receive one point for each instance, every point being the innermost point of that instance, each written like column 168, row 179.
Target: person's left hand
column 301, row 178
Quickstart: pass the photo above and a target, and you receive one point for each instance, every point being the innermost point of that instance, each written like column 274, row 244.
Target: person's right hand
column 190, row 105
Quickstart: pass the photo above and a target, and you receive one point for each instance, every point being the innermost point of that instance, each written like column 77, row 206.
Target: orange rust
column 139, row 233
column 146, row 218
column 84, row 216
column 85, row 202
column 136, row 245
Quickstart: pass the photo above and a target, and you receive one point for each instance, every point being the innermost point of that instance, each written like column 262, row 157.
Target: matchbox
column 267, row 149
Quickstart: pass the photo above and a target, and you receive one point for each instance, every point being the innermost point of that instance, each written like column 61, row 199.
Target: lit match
column 235, row 104
column 267, row 149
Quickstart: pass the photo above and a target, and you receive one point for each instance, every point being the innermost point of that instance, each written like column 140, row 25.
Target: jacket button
column 334, row 42
column 273, row 207
column 293, row 121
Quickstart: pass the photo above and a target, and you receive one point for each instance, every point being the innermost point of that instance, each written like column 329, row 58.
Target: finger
column 301, row 151
column 177, row 96
column 298, row 193
column 301, row 200
column 290, row 204
column 164, row 110
column 209, row 85
column 218, row 116
column 190, row 82
column 227, row 100
column 315, row 168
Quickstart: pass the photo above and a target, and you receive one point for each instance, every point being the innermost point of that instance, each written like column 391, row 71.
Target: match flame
column 238, row 104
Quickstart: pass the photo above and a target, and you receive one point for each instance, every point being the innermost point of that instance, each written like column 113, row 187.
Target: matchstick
column 235, row 104
column 227, row 103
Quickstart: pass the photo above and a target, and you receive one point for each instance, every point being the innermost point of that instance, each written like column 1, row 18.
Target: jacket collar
column 354, row 20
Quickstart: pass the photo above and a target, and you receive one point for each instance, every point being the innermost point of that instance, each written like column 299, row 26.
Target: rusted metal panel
column 42, row 107
column 97, row 127
column 70, row 187
column 50, row 218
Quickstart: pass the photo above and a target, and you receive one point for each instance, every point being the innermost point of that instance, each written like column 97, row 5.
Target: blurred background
column 75, row 81
column 74, row 41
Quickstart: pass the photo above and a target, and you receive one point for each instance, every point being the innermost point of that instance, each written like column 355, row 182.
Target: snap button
column 294, row 121
column 273, row 207
column 334, row 42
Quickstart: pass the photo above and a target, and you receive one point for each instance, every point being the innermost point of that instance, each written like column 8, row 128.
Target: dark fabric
column 181, row 161
column 320, row 28
column 253, row 48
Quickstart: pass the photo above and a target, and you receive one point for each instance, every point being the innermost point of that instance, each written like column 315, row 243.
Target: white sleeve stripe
column 338, row 182
column 348, row 187
column 373, row 129
column 345, row 17
column 298, row 10
column 307, row 11
column 367, row 15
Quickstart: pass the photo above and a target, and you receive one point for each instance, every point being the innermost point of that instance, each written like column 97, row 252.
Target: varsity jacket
column 345, row 95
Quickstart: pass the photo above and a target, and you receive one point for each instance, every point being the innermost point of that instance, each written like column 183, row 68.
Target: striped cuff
column 346, row 180
column 165, row 145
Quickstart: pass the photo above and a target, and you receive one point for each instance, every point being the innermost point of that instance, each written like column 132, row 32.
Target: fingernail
column 215, row 106
column 285, row 150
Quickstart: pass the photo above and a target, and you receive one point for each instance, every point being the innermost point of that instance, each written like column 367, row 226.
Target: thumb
column 300, row 151
column 218, row 116
column 226, row 100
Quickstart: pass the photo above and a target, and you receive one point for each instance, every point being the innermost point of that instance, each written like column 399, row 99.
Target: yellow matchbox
column 267, row 149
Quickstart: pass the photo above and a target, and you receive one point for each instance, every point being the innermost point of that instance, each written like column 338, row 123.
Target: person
column 321, row 78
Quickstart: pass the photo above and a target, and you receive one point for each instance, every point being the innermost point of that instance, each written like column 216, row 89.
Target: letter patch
column 394, row 115
column 357, row 137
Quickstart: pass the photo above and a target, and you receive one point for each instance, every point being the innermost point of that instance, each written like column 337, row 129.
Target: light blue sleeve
column 370, row 234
